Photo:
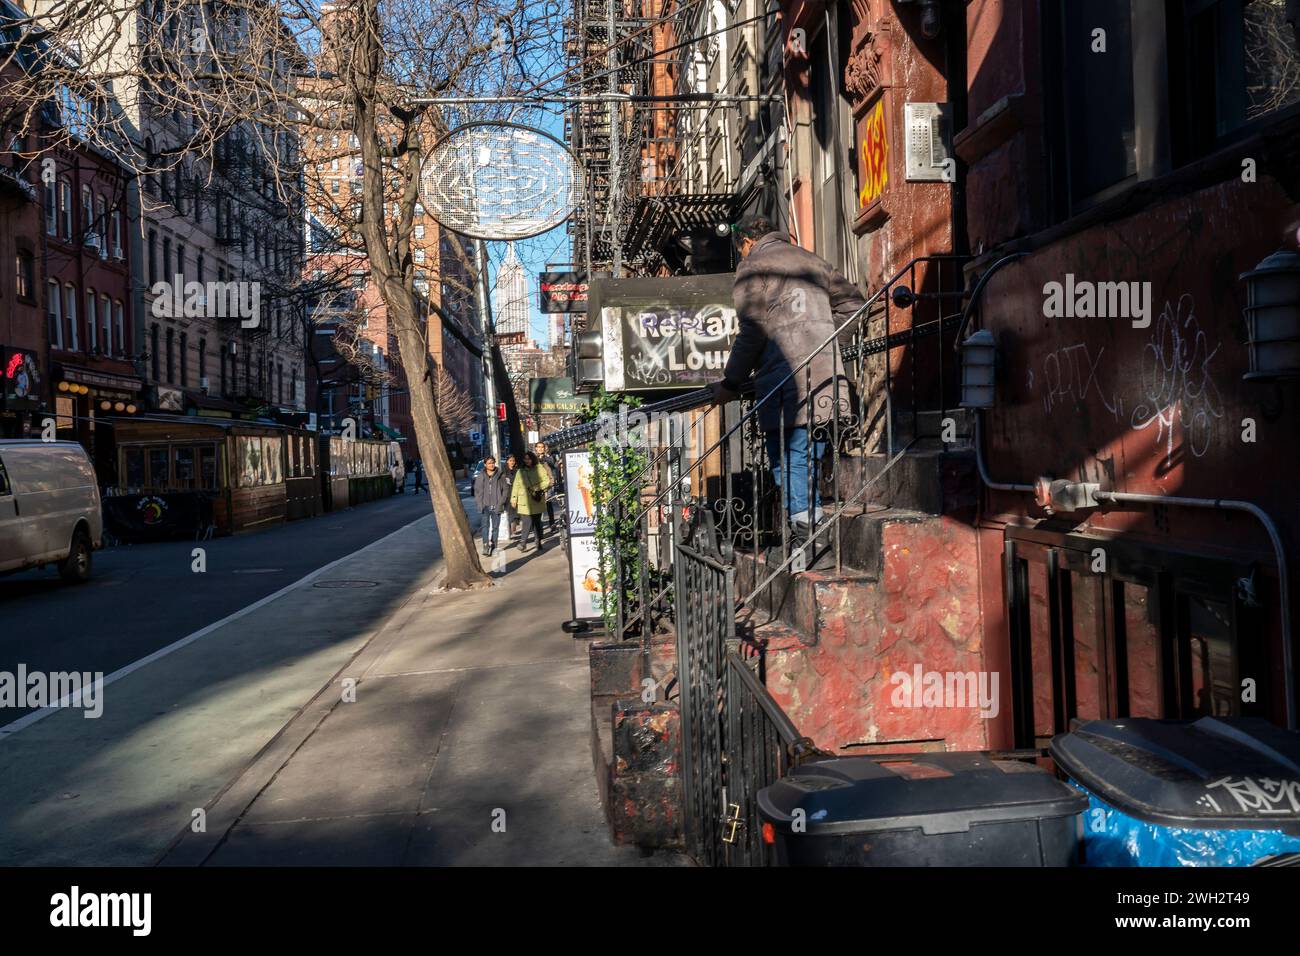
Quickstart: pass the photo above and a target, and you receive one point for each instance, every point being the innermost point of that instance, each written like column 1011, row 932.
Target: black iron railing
column 760, row 746
column 706, row 622
column 736, row 739
column 860, row 393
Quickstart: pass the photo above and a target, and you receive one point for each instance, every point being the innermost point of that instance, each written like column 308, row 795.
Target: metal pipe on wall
column 1121, row 499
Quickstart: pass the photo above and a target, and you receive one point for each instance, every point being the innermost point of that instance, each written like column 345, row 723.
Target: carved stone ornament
column 864, row 72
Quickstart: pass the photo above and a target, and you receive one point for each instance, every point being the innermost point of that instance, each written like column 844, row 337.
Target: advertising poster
column 579, row 493
column 584, row 557
column 584, row 573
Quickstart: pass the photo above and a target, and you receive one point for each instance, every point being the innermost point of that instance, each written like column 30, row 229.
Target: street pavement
column 143, row 597
column 468, row 741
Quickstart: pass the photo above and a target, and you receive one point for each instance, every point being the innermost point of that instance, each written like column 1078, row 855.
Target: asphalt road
column 143, row 597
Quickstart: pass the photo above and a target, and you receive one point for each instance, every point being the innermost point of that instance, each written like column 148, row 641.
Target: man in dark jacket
column 789, row 303
column 491, row 493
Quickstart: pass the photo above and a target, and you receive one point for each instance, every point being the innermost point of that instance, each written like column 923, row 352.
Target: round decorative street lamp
column 500, row 181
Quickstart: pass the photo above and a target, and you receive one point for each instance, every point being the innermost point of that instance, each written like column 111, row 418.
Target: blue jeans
column 491, row 526
column 796, row 481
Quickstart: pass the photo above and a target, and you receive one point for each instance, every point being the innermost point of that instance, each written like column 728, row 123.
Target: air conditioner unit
column 234, row 348
column 91, row 241
column 203, row 384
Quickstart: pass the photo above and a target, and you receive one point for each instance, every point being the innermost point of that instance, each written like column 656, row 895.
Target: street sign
column 476, row 437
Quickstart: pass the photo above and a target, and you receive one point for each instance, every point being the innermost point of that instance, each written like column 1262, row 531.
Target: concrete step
column 810, row 602
column 929, row 480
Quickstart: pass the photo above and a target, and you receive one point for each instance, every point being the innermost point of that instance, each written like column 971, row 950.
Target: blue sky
column 538, row 252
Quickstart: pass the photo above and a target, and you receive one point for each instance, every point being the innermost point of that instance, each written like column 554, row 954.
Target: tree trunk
column 458, row 550
column 386, row 268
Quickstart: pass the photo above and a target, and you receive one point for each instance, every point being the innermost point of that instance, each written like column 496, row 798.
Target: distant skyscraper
column 557, row 330
column 510, row 305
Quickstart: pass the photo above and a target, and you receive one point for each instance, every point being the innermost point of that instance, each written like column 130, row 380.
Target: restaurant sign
column 20, row 379
column 665, row 333
column 563, row 291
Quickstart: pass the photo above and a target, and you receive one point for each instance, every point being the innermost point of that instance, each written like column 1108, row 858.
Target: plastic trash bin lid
column 1211, row 773
column 937, row 792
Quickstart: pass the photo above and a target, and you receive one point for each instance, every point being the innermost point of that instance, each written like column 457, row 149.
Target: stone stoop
column 636, row 747
column 831, row 642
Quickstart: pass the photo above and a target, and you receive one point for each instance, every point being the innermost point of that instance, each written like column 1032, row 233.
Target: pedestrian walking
column 419, row 475
column 549, row 463
column 788, row 302
column 511, row 466
column 529, row 498
column 491, row 492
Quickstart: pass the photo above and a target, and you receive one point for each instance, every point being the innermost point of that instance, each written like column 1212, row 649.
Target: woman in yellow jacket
column 528, row 497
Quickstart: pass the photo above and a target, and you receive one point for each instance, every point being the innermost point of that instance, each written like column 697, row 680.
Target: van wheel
column 75, row 568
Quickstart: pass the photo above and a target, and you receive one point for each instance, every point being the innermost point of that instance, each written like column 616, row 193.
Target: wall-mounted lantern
column 978, row 356
column 1273, row 317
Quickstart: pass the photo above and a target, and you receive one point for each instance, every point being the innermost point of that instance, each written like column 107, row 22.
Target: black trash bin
column 1208, row 792
column 932, row 809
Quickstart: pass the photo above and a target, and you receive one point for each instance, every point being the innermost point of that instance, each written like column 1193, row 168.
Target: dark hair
column 489, row 458
column 527, row 455
column 752, row 227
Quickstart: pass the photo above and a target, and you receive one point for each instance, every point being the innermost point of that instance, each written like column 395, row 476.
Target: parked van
column 49, row 507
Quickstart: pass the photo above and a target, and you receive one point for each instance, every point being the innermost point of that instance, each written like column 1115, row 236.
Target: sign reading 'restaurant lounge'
column 665, row 333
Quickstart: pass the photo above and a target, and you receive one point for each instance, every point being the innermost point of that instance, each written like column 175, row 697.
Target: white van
column 49, row 507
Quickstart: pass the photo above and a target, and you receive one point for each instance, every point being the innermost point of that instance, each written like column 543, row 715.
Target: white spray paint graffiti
column 1178, row 390
column 1257, row 796
column 1070, row 375
column 678, row 346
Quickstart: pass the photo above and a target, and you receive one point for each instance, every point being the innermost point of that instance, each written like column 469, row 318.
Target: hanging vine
column 615, row 459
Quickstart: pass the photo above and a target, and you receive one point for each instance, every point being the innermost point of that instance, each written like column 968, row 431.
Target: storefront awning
column 99, row 379
column 390, row 432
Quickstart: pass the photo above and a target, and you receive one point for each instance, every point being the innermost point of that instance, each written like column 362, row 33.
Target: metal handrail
column 705, row 395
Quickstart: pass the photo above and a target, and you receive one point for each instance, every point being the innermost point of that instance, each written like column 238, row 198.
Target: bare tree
column 223, row 94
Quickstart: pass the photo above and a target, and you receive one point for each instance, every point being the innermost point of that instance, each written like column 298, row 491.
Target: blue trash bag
column 1112, row 838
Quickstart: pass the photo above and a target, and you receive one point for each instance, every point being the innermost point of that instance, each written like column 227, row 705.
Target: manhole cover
column 346, row 584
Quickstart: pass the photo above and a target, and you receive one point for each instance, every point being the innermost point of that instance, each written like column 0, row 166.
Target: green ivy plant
column 615, row 462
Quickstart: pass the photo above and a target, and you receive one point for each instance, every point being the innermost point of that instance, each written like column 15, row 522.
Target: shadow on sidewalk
column 468, row 742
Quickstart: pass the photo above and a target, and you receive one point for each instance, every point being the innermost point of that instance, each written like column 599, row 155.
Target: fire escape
column 662, row 162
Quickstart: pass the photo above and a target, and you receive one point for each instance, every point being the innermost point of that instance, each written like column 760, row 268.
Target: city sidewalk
column 468, row 742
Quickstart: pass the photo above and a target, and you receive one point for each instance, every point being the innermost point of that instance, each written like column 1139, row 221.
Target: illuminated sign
column 20, row 379
column 875, row 156
column 563, row 291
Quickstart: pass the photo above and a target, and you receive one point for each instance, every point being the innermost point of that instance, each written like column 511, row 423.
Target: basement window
column 1154, row 634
